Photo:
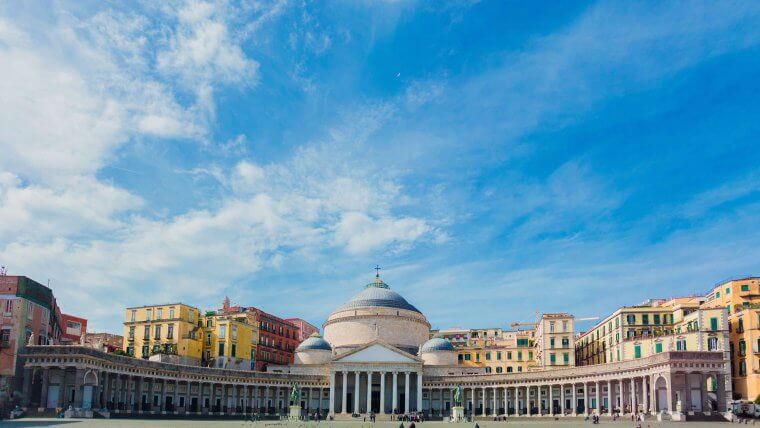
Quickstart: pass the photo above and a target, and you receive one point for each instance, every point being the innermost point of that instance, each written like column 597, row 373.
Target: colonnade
column 375, row 386
column 88, row 389
column 650, row 393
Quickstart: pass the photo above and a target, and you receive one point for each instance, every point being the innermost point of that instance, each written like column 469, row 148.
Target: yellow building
column 555, row 340
column 680, row 324
column 498, row 351
column 229, row 341
column 170, row 332
column 740, row 301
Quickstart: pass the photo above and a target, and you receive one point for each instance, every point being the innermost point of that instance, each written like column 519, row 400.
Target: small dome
column 377, row 294
column 313, row 342
column 436, row 344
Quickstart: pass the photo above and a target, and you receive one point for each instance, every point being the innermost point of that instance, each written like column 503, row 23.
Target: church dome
column 377, row 294
column 376, row 313
column 436, row 344
column 313, row 342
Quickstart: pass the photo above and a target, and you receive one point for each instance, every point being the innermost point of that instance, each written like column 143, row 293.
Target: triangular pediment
column 377, row 352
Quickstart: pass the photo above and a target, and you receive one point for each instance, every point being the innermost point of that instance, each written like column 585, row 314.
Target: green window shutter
column 713, row 324
column 637, row 351
column 566, row 357
column 658, row 347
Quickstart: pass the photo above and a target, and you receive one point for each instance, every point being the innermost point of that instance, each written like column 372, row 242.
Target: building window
column 234, row 332
column 131, row 332
column 477, row 357
column 145, row 351
column 630, row 319
column 488, row 370
column 645, row 319
column 498, row 370
column 159, row 313
column 132, row 316
column 565, row 342
column 233, row 350
column 221, row 349
column 146, row 332
column 29, row 310
column 637, row 351
column 564, row 326
column 157, row 334
column 551, row 327
column 742, row 368
column 519, row 368
column 208, row 339
column 148, row 314
column 222, row 331
column 170, row 331
column 681, row 345
column 5, row 336
column 745, row 287
column 728, row 291
column 519, row 355
column 467, row 357
column 742, row 347
column 740, row 326
column 712, row 343
column 509, row 355
column 658, row 347
column 551, row 343
column 656, row 318
column 488, row 356
column 566, row 358
column 552, row 359
column 209, row 323
column 509, row 369
column 171, row 314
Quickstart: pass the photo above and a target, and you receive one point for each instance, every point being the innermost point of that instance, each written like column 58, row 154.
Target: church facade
column 376, row 357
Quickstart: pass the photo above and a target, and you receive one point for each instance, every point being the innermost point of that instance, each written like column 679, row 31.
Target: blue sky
column 496, row 158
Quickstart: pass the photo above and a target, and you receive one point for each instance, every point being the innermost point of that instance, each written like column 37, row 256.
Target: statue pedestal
column 457, row 414
column 295, row 413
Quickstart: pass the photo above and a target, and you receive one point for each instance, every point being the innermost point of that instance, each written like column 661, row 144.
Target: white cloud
column 360, row 233
column 202, row 51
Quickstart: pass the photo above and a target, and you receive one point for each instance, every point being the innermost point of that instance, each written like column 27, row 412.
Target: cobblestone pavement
column 124, row 423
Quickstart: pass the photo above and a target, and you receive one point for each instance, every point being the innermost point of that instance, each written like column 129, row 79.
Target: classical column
column 645, row 394
column 621, row 387
column 633, row 395
column 506, row 402
column 575, row 400
column 527, row 400
column 175, row 399
column 484, row 401
column 585, row 398
column 669, row 391
column 344, row 393
column 163, row 395
column 212, row 397
column 357, row 379
column 406, row 391
column 609, row 397
column 495, row 411
column 598, row 406
column 139, row 393
column 332, row 394
column 517, row 403
column 562, row 399
column 419, row 391
column 395, row 392
column 472, row 402
column 78, row 380
column 369, row 391
column 382, row 393
column 551, row 400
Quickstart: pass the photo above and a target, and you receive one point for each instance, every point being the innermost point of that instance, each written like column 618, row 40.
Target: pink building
column 27, row 308
column 304, row 328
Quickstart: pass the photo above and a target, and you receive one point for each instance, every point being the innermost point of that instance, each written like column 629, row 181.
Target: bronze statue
column 458, row 395
column 295, row 395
